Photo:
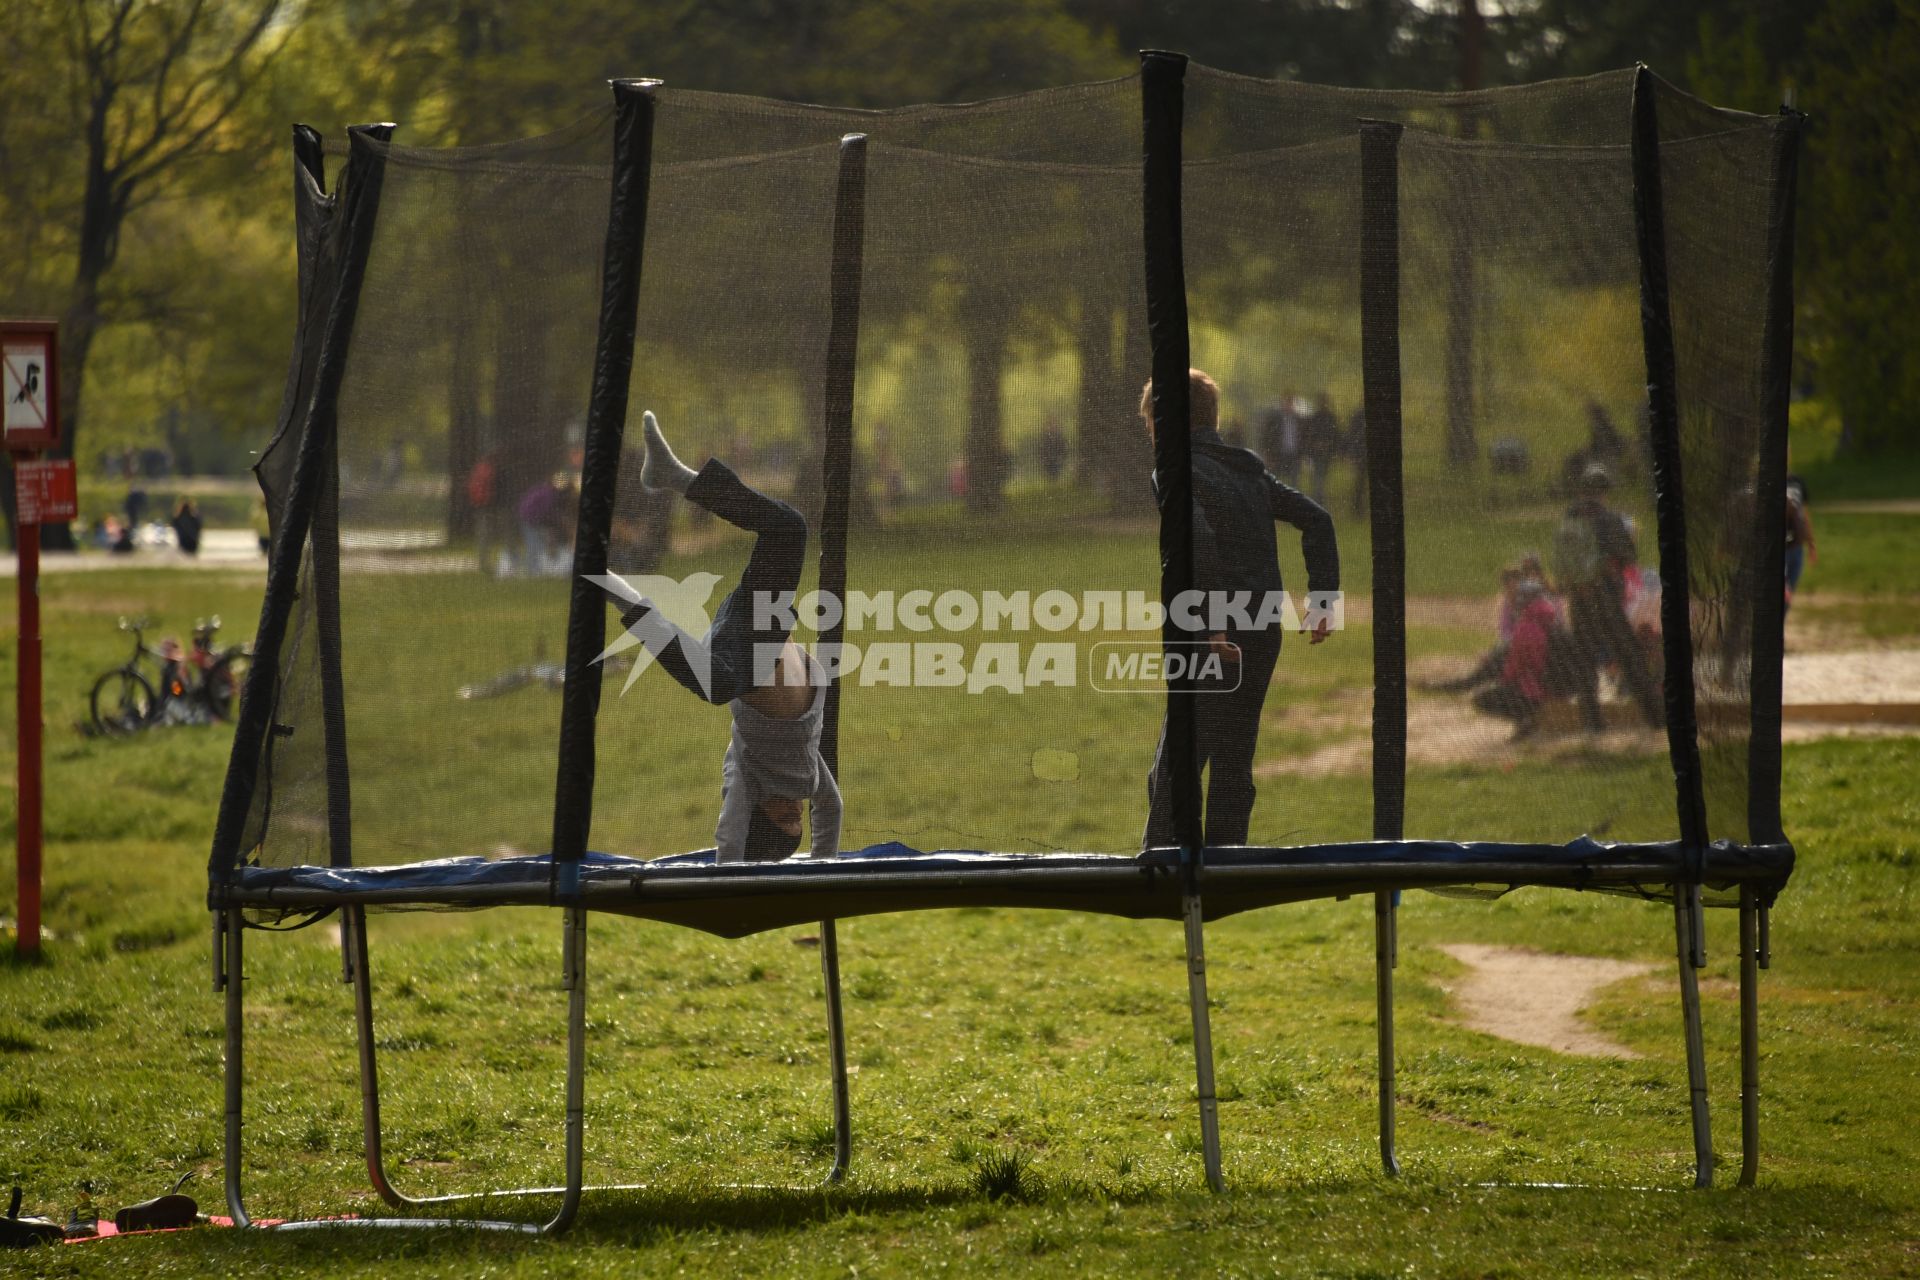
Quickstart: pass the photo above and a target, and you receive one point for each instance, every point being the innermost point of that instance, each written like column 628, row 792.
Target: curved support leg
column 836, row 1052
column 1686, row 923
column 1749, row 1036
column 1202, row 1040
column 231, row 928
column 1386, row 955
column 574, row 979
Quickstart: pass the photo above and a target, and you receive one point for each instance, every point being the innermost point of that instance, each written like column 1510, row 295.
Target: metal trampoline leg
column 1386, row 954
column 573, row 978
column 836, row 1052
column 1203, row 1041
column 231, row 976
column 1749, row 1036
column 574, row 963
column 353, row 927
column 1688, row 945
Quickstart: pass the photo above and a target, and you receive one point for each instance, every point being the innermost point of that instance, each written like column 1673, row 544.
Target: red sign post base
column 27, row 707
column 30, row 422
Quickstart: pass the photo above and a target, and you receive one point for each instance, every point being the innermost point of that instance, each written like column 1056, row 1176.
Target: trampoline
column 1439, row 314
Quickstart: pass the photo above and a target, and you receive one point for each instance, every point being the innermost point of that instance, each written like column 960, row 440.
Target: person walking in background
column 1353, row 447
column 1800, row 545
column 187, row 526
column 1279, row 442
column 1236, row 502
column 136, row 506
column 262, row 525
column 483, row 504
column 546, row 512
column 1592, row 551
column 1319, row 442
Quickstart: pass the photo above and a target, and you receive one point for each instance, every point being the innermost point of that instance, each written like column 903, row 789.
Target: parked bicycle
column 170, row 684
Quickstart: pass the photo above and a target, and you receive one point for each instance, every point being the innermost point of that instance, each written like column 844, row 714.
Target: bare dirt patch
column 1826, row 694
column 1873, row 692
column 1445, row 730
column 1536, row 998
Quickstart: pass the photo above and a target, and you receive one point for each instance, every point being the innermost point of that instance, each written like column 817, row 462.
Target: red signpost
column 29, row 412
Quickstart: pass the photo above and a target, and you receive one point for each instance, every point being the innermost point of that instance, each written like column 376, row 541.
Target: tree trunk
column 1093, row 348
column 77, row 330
column 986, row 451
column 1113, row 455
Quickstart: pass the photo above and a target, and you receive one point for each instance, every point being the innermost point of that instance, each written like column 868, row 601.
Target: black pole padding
column 1769, row 552
column 311, row 207
column 325, row 537
column 1162, row 108
column 1669, row 495
column 836, row 460
column 606, row 421
column 1380, row 374
column 310, row 153
column 352, row 234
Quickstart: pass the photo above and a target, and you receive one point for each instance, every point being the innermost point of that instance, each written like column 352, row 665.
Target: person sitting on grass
column 1515, row 581
column 749, row 663
column 1535, row 663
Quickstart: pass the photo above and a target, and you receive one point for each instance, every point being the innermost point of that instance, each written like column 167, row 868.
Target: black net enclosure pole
column 1380, row 371
column 1161, row 75
column 1769, row 609
column 606, row 420
column 1162, row 104
column 836, row 466
column 1676, row 605
column 1656, row 325
column 1380, row 374
column 352, row 234
column 1769, row 551
column 836, row 463
column 325, row 538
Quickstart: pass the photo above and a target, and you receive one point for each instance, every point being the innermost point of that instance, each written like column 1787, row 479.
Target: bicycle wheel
column 122, row 702
column 220, row 686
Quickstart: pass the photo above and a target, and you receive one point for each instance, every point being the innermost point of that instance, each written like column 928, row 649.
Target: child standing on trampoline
column 748, row 662
column 1236, row 502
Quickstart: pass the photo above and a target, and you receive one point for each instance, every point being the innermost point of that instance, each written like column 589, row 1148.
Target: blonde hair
column 1203, row 399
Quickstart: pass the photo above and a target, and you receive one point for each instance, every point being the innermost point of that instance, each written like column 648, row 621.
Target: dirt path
column 1531, row 997
column 1827, row 694
column 1873, row 506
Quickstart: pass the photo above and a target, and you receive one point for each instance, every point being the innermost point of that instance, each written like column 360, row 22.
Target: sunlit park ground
column 1022, row 1082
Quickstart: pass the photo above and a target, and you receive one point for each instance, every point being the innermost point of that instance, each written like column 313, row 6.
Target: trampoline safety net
column 1516, row 360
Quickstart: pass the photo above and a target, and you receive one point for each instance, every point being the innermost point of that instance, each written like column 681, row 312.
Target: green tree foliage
column 1860, row 299
column 126, row 114
column 143, row 172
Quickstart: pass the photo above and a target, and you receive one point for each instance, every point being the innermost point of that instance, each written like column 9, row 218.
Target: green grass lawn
column 1057, row 1043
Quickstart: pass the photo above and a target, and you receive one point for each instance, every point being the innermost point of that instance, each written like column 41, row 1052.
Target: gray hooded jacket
column 768, row 757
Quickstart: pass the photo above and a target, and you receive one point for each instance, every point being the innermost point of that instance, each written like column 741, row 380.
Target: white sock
column 661, row 470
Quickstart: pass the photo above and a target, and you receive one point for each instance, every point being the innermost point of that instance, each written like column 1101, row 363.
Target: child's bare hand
column 1321, row 630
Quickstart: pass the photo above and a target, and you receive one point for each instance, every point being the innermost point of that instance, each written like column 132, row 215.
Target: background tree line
column 143, row 162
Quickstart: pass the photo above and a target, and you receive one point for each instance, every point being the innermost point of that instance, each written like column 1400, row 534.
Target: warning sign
column 28, row 392
column 45, row 491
